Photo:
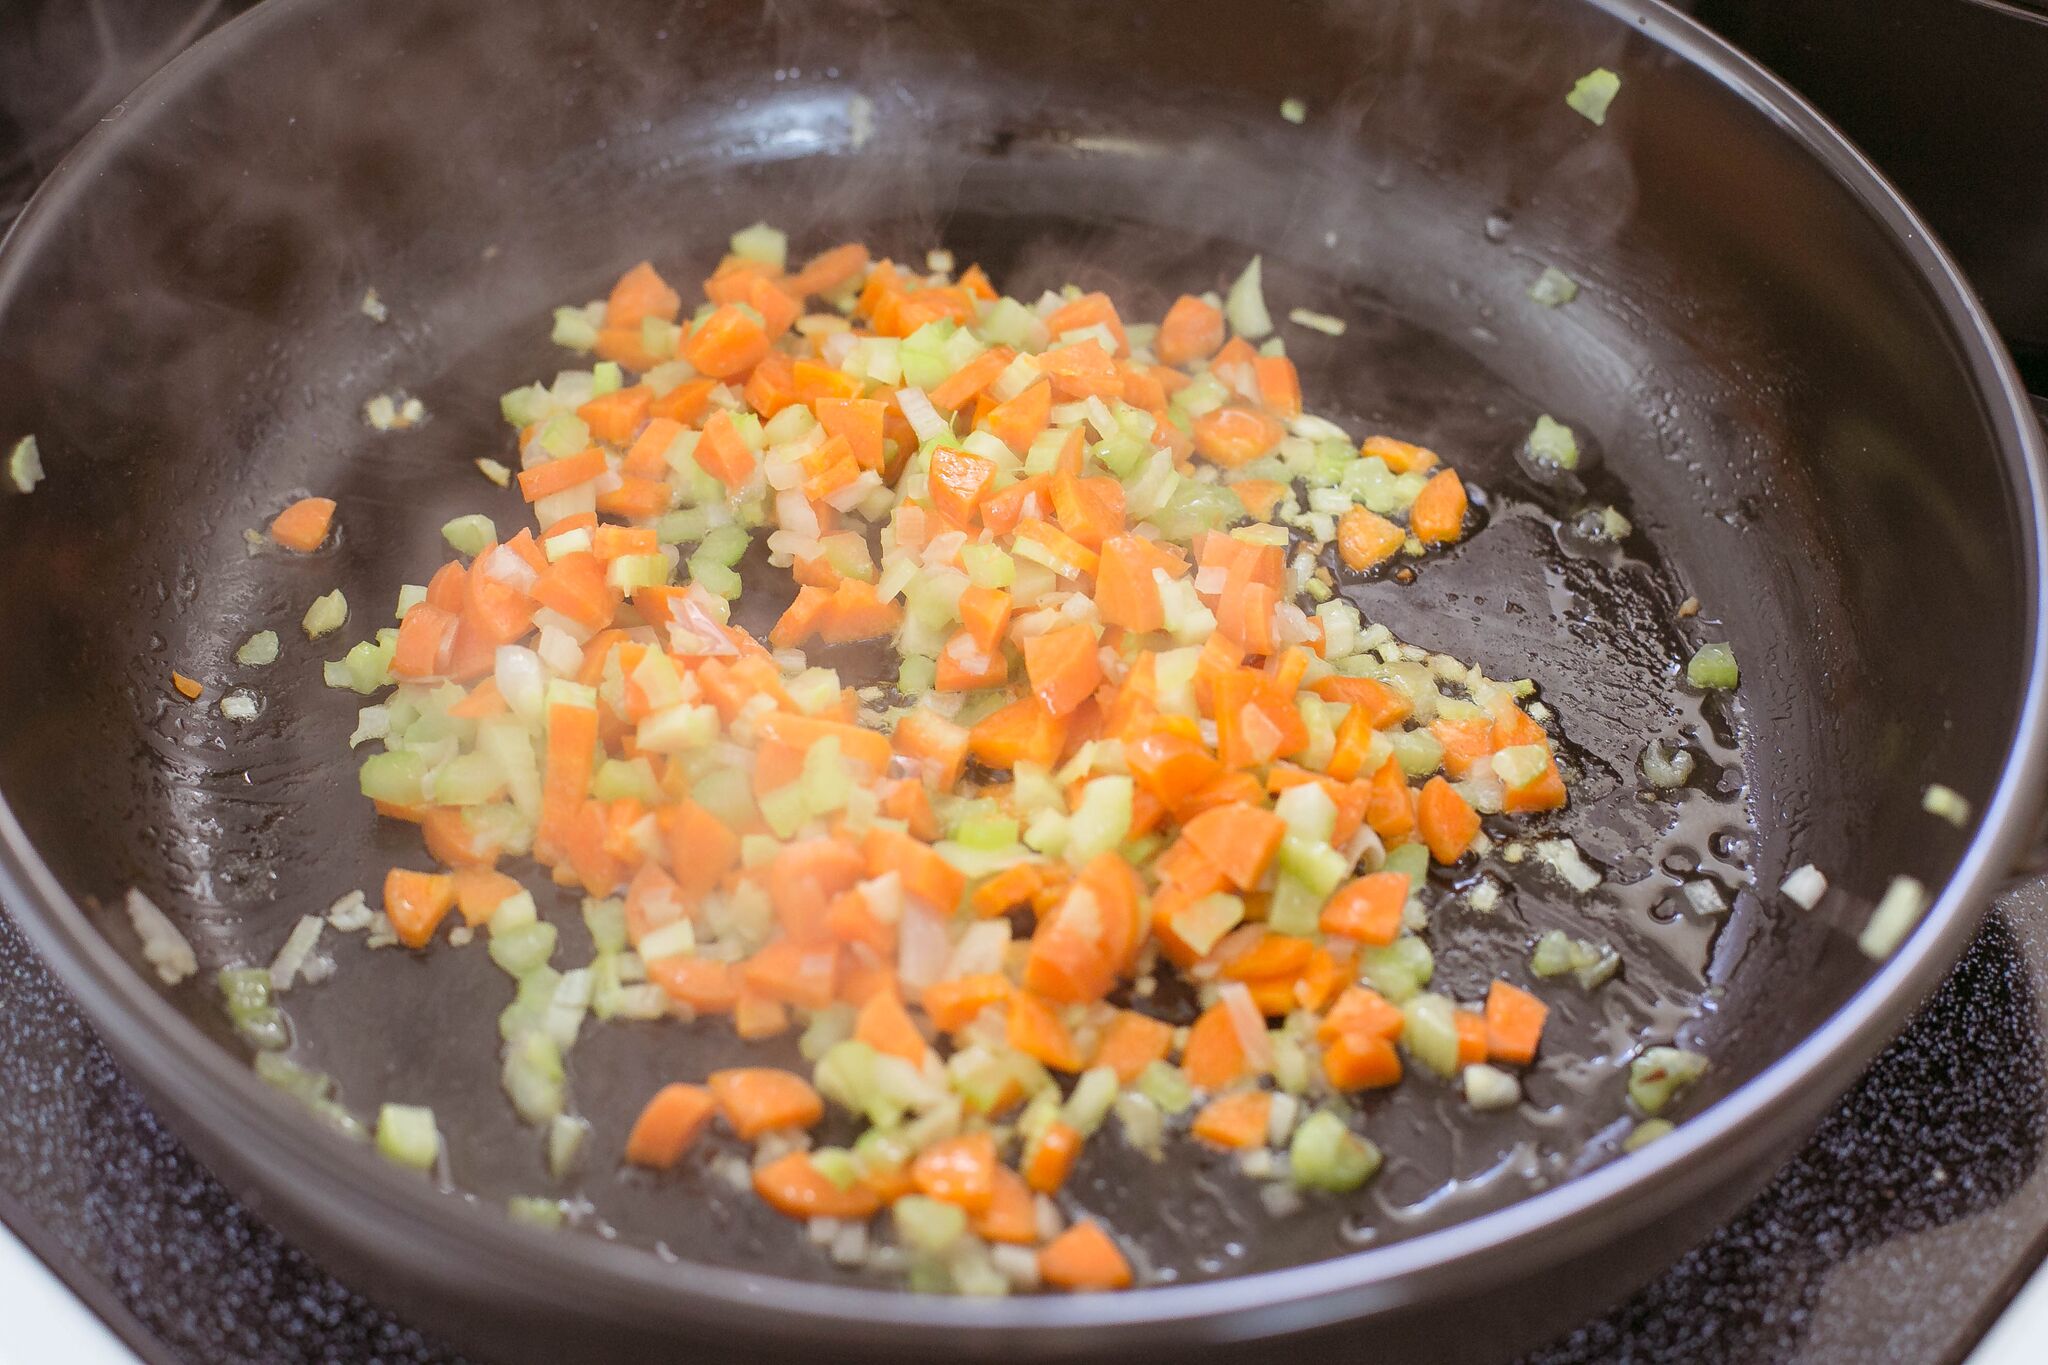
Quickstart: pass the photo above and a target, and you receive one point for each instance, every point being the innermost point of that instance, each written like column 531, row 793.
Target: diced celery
column 760, row 242
column 1203, row 924
column 1659, row 1073
column 1551, row 442
column 245, row 991
column 566, row 1135
column 1411, row 859
column 606, row 377
column 469, row 534
column 467, row 780
column 785, row 809
column 398, row 778
column 523, row 407
column 1167, row 1086
column 1488, row 1087
column 533, row 1211
column 1593, row 92
column 725, row 545
column 1554, row 288
column 1101, row 820
column 988, row 566
column 1400, row 970
column 926, row 1224
column 303, row 1083
column 1196, row 507
column 1325, row 1154
column 407, row 1135
column 826, row 1028
column 573, row 329
column 1419, row 752
column 1089, row 1103
column 630, row 573
column 1292, row 1071
column 533, row 1077
column 564, row 434
column 1296, row 906
column 727, row 793
column 1520, row 764
column 848, row 1075
column 1430, row 1033
column 520, row 951
column 1647, row 1132
column 1712, row 667
column 1947, row 804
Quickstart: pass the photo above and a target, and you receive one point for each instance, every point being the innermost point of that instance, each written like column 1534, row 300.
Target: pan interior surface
column 1761, row 387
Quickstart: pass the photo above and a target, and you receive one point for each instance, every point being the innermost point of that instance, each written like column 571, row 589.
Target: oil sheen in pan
column 1593, row 623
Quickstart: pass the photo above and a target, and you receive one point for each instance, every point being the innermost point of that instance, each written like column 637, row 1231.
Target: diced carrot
column 1083, row 1259
column 1234, row 437
column 636, row 498
column 625, row 346
column 1384, row 705
column 959, row 1171
column 1365, row 538
column 703, row 984
column 416, row 903
column 771, row 386
column 936, row 743
column 887, row 1027
column 1447, row 821
column 423, row 633
column 985, row 613
column 1466, row 743
column 952, row 1005
column 1017, row 422
column 614, row 417
column 792, row 1185
column 861, row 745
column 1368, row 908
column 1546, row 792
column 1190, row 331
column 1214, row 1057
column 1082, row 370
column 1012, row 1215
column 1400, row 456
column 686, row 403
column 1022, row 732
column 1364, row 1011
column 722, row 453
column 1051, row 1158
column 958, row 389
column 1279, row 384
column 804, row 877
column 1069, row 557
column 1089, row 510
column 1360, row 1061
column 188, row 688
column 1514, row 1023
column 1260, row 496
column 1239, row 1120
column 453, row 842
column 1270, row 955
column 829, row 270
column 759, row 1016
column 302, row 526
column 1471, row 1027
column 1239, row 839
column 858, row 421
column 1002, row 512
column 856, row 613
column 923, row 872
column 701, row 849
column 957, row 482
column 1063, row 667
column 641, row 293
column 575, row 586
column 1131, row 1043
column 1035, row 1030
column 571, row 757
column 1390, row 806
column 727, row 343
column 668, row 1125
column 1171, row 767
column 1438, row 514
column 1126, row 594
column 556, row 476
column 777, row 309
column 1090, row 310
column 479, row 892
column 760, row 1099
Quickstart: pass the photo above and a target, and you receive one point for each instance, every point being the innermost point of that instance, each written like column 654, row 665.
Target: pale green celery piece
column 245, row 991
column 307, row 1085
column 725, row 545
column 566, row 1136
column 1102, row 819
column 407, row 1135
column 327, row 615
column 826, row 783
column 760, row 242
column 25, row 465
column 986, row 833
column 1554, row 954
column 1309, row 812
column 785, row 809
column 1430, row 1033
column 713, row 577
column 573, row 330
column 1196, row 507
column 259, row 649
column 1293, row 110
column 1167, row 1086
column 1593, row 92
column 1554, row 288
column 564, row 434
column 1713, row 668
column 367, row 666
column 533, row 1077
column 727, row 794
column 522, row 407
column 1010, row 323
column 928, row 1225
column 467, row 780
column 684, row 526
column 606, row 377
column 397, row 777
column 1325, row 1154
column 1419, row 752
column 1947, row 803
column 1089, row 1103
column 826, row 1029
column 630, row 573
column 1551, row 442
column 1647, row 1132
column 1659, row 1073
column 1315, row 864
column 659, row 338
column 1296, row 906
column 533, row 1211
column 1245, row 306
column 469, row 534
column 410, row 595
column 520, row 951
column 1412, row 859
column 530, row 999
column 1399, row 970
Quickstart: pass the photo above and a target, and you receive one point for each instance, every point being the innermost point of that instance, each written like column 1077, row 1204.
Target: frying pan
column 1778, row 378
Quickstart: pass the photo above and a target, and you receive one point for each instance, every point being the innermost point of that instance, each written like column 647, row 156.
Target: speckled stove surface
column 1898, row 1234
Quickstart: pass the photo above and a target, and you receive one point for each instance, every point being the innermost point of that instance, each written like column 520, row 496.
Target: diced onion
column 1249, row 1023
column 298, row 946
column 162, row 945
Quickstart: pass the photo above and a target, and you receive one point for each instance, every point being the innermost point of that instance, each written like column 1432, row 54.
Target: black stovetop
column 1898, row 1233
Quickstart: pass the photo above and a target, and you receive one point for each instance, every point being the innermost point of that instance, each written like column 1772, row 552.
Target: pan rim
column 379, row 1211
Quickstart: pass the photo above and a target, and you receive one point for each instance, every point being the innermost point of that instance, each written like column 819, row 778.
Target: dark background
column 1898, row 1233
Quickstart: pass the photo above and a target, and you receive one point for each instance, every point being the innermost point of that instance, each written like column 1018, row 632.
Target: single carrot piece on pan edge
column 793, row 1186
column 1514, row 1023
column 760, row 1099
column 1084, row 1259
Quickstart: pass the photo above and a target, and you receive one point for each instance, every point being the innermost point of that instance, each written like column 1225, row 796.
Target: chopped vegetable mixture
column 1134, row 821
